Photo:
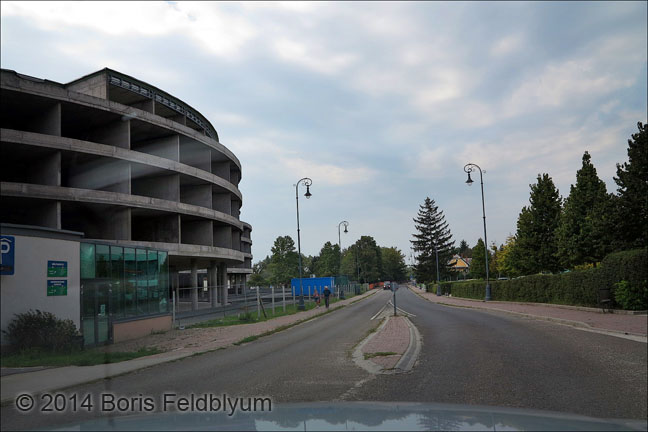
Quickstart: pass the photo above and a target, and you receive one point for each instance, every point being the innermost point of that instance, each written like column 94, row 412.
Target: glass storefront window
column 117, row 276
column 120, row 282
column 153, row 273
column 142, row 282
column 130, row 283
column 103, row 261
column 87, row 261
column 164, row 281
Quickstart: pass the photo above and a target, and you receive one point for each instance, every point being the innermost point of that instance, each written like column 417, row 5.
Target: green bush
column 631, row 297
column 35, row 330
column 579, row 287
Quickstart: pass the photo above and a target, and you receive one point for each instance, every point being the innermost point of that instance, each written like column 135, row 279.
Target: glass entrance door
column 102, row 321
column 96, row 315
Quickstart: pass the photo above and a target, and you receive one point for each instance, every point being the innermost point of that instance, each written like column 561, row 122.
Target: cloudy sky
column 381, row 104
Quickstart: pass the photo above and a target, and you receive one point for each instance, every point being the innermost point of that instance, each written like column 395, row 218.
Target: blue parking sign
column 8, row 248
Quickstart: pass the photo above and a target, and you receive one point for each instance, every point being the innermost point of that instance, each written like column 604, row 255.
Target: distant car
column 387, row 286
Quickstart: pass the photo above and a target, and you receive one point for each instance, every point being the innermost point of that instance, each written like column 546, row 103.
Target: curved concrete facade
column 123, row 162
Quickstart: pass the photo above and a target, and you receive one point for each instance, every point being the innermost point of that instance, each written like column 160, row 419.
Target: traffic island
column 393, row 348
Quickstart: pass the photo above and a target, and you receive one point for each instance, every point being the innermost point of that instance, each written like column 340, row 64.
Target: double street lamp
column 346, row 224
column 468, row 168
column 307, row 182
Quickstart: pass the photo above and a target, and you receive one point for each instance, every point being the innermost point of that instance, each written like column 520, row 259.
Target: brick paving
column 631, row 324
column 393, row 337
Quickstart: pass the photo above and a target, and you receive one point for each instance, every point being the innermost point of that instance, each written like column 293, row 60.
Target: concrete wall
column 166, row 147
column 27, row 287
column 195, row 154
column 49, row 121
column 139, row 328
column 165, row 187
column 96, row 86
column 222, row 202
column 221, row 169
column 197, row 232
column 199, row 195
column 116, row 133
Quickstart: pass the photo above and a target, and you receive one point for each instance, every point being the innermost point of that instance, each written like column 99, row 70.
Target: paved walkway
column 176, row 343
column 580, row 317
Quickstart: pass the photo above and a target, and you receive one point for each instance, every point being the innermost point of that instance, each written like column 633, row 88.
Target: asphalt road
column 467, row 357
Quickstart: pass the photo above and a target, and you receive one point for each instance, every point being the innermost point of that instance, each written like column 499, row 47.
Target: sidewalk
column 618, row 324
column 177, row 344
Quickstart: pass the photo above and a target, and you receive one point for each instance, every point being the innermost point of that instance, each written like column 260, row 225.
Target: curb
column 410, row 356
column 125, row 367
column 558, row 306
column 577, row 324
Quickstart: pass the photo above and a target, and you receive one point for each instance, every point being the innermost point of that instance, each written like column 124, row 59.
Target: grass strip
column 88, row 357
column 367, row 356
column 249, row 318
column 283, row 327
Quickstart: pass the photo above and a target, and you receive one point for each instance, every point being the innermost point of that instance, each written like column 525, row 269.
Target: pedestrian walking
column 327, row 294
column 316, row 296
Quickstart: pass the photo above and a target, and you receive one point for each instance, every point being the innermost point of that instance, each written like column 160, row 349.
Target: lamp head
column 345, row 229
column 308, row 194
column 469, row 182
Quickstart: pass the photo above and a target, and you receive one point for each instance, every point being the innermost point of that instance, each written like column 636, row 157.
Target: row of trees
column 555, row 234
column 363, row 261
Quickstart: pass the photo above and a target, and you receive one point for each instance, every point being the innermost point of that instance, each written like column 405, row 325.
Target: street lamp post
column 346, row 224
column 468, row 168
column 436, row 249
column 307, row 182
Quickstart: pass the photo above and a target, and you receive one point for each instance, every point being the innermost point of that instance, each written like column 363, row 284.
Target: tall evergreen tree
column 632, row 203
column 585, row 233
column 432, row 231
column 464, row 249
column 536, row 243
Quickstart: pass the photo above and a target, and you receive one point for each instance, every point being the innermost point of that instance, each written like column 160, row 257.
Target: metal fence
column 191, row 305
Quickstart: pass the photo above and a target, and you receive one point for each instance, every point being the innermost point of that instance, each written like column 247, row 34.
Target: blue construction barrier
column 309, row 285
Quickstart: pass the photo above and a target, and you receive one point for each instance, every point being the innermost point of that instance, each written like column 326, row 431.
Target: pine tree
column 585, row 232
column 536, row 243
column 464, row 250
column 432, row 230
column 632, row 202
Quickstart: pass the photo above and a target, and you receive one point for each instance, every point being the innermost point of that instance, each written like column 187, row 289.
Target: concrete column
column 194, row 283
column 222, row 273
column 214, row 282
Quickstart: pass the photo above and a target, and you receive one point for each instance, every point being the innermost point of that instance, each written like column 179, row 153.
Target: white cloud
column 328, row 174
column 218, row 32
column 506, row 46
column 312, row 56
column 430, row 162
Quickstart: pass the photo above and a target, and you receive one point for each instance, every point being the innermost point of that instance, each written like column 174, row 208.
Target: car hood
column 363, row 416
